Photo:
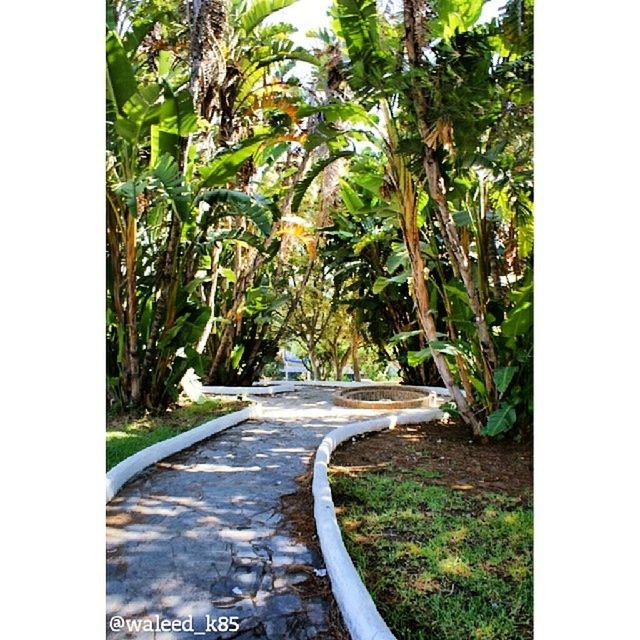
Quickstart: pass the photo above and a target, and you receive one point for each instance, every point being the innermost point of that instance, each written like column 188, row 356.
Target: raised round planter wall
column 340, row 384
column 139, row 461
column 384, row 397
column 359, row 612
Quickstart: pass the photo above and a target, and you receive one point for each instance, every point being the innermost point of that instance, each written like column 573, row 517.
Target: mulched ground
column 446, row 448
column 298, row 511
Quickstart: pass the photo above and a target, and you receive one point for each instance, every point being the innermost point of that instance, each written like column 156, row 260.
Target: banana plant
column 159, row 211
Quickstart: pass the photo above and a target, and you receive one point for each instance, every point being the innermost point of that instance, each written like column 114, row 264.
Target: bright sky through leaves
column 307, row 15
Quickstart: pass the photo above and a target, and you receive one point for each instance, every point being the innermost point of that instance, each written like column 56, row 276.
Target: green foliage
column 121, row 82
column 228, row 162
column 173, row 200
column 359, row 22
column 503, row 377
column 476, row 81
column 259, row 210
column 194, row 203
column 455, row 16
column 500, row 420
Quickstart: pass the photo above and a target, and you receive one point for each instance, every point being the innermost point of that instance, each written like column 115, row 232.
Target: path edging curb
column 263, row 390
column 131, row 466
column 359, row 612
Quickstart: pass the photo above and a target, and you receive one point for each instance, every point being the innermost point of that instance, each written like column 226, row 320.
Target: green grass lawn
column 440, row 563
column 126, row 435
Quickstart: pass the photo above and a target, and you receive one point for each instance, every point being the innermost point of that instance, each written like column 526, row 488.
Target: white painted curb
column 134, row 464
column 356, row 605
column 339, row 384
column 270, row 390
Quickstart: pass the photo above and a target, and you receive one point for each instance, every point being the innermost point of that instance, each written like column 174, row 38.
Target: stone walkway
column 199, row 536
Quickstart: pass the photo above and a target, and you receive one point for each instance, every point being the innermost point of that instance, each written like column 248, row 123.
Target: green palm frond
column 301, row 188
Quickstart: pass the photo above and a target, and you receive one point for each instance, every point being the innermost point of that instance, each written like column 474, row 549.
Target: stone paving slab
column 200, row 533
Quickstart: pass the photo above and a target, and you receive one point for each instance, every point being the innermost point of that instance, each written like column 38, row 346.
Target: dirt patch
column 446, row 451
column 298, row 511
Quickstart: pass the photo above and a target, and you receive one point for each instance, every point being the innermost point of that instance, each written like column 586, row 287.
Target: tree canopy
column 380, row 212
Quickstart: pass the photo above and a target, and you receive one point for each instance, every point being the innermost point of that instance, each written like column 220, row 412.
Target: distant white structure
column 292, row 364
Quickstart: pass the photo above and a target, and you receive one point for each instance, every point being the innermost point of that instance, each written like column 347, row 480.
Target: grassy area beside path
column 441, row 531
column 127, row 434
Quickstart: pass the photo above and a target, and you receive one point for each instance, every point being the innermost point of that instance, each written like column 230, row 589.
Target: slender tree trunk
column 489, row 245
column 206, row 332
column 208, row 65
column 342, row 362
column 355, row 360
column 114, row 236
column 228, row 332
column 427, row 323
column 313, row 361
column 132, row 310
column 167, row 280
column 411, row 234
column 494, row 262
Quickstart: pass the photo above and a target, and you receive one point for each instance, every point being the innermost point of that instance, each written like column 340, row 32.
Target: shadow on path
column 201, row 534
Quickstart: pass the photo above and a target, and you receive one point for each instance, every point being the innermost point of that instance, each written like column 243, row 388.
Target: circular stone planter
column 385, row 397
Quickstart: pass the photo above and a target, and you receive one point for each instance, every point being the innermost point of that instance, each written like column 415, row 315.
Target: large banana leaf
column 167, row 177
column 226, row 164
column 359, row 26
column 139, row 113
column 260, row 10
column 455, row 15
column 121, row 82
column 500, row 420
column 260, row 211
column 296, row 53
column 339, row 112
column 177, row 119
column 350, row 198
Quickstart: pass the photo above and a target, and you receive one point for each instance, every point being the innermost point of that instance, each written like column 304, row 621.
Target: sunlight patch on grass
column 127, row 435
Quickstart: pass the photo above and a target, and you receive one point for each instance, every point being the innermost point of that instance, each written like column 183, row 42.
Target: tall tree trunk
column 228, row 332
column 114, row 237
column 313, row 361
column 208, row 64
column 411, row 234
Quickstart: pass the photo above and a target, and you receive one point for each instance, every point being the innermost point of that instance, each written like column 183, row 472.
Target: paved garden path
column 200, row 533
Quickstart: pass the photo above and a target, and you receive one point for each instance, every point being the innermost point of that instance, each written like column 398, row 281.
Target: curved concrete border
column 417, row 398
column 339, row 384
column 363, row 620
column 259, row 390
column 134, row 464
